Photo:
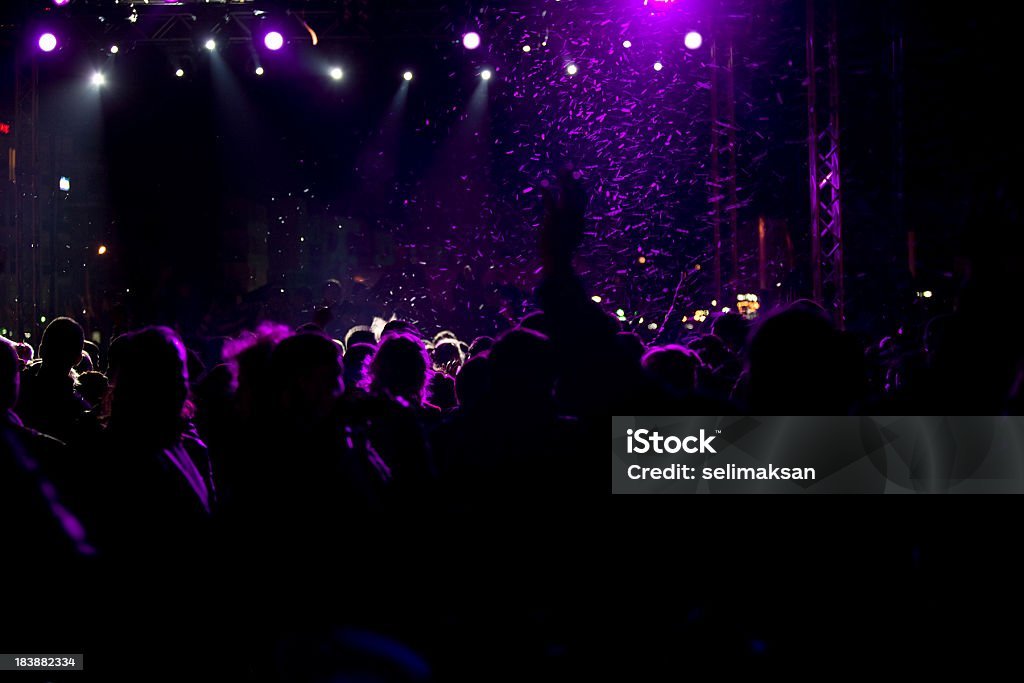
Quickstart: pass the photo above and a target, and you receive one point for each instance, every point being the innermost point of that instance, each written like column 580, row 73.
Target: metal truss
column 186, row 24
column 826, row 215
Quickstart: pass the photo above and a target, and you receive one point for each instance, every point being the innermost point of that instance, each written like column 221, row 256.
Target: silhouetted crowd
column 327, row 465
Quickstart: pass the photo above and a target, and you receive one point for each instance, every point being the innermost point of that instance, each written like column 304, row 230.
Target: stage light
column 693, row 40
column 927, row 294
column 98, row 79
column 571, row 69
column 113, row 49
column 273, row 40
column 102, row 250
column 336, row 73
column 619, row 312
column 47, row 42
column 486, row 74
column 60, row 3
column 526, row 48
column 658, row 66
column 596, row 299
column 64, row 184
column 179, row 73
column 471, row 40
column 211, row 45
column 627, row 44
column 259, row 71
column 407, row 75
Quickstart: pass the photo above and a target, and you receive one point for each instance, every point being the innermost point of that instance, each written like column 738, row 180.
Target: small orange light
column 102, row 250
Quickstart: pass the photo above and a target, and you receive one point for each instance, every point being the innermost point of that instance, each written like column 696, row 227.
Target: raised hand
column 563, row 222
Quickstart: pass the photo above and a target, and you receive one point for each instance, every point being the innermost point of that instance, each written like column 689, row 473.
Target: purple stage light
column 60, row 3
column 47, row 42
column 471, row 40
column 693, row 40
column 273, row 40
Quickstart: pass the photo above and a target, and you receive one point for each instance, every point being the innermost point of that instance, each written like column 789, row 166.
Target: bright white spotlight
column 526, row 48
column 179, row 73
column 658, row 66
column 336, row 73
column 486, row 74
column 571, row 69
column 407, row 75
column 98, row 79
column 113, row 49
column 64, row 184
column 273, row 40
column 211, row 44
column 47, row 42
column 627, row 44
column 471, row 40
column 259, row 71
column 693, row 40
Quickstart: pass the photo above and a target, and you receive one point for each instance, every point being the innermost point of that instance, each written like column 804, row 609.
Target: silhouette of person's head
column 93, row 351
column 9, row 375
column 442, row 391
column 444, row 334
column 399, row 326
column 479, row 345
column 712, row 350
column 798, row 364
column 355, row 363
column 251, row 357
column 523, row 370
column 732, row 329
column 315, row 327
column 331, row 292
column 447, row 352
column 399, row 368
column 674, row 366
column 473, row 383
column 93, row 387
column 62, row 344
column 631, row 345
column 149, row 386
column 306, row 372
column 536, row 321
column 360, row 334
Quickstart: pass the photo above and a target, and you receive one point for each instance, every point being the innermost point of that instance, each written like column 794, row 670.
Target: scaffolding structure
column 826, row 216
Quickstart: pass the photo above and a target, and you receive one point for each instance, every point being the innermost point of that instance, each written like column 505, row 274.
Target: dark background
column 214, row 185
column 650, row 582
